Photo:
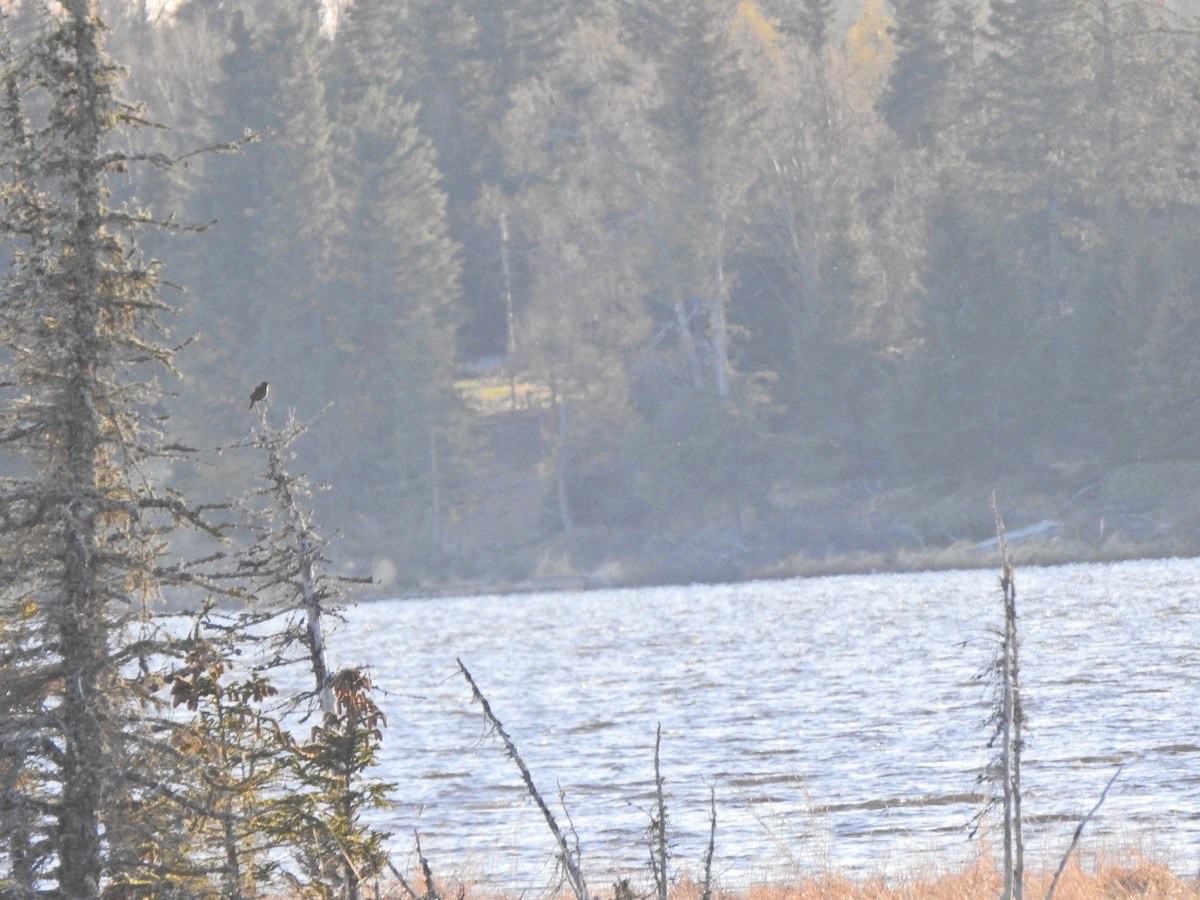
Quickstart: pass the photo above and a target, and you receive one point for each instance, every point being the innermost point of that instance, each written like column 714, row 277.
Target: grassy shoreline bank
column 1097, row 875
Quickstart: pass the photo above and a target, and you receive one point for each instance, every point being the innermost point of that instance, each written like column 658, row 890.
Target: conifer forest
column 666, row 291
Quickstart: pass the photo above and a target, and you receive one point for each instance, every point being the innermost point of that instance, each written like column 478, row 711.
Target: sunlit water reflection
column 839, row 721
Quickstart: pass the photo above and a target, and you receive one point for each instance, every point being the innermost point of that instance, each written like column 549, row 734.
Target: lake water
column 841, row 722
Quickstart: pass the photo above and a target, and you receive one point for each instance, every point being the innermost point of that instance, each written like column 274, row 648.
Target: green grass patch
column 496, row 394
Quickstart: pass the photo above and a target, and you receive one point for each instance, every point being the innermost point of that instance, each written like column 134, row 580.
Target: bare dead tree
column 657, row 831
column 712, row 843
column 1011, row 721
column 568, row 857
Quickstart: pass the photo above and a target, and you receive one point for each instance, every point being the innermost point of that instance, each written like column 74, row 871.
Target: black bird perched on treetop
column 260, row 393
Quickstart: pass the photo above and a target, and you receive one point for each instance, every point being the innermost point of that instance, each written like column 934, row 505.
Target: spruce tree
column 266, row 306
column 914, row 102
column 88, row 771
column 696, row 191
column 814, row 23
column 397, row 280
column 1029, row 127
column 584, row 318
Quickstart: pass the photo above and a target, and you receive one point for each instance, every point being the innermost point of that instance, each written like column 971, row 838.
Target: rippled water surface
column 840, row 722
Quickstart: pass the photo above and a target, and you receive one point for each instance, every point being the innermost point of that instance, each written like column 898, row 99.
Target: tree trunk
column 313, row 614
column 718, row 322
column 81, row 621
column 510, row 319
column 1011, row 721
column 561, row 460
column 1014, row 711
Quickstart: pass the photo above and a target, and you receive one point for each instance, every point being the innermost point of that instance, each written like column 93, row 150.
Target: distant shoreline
column 961, row 555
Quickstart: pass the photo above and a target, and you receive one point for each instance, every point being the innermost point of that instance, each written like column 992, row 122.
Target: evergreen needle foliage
column 134, row 761
column 330, row 788
column 90, row 774
column 237, row 747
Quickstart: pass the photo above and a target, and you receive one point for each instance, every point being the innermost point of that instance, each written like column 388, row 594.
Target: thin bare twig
column 1079, row 831
column 403, row 881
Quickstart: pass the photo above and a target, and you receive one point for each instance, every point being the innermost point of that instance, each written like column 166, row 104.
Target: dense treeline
column 694, row 260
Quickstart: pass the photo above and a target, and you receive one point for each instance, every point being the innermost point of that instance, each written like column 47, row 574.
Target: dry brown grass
column 1143, row 879
column 1126, row 878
